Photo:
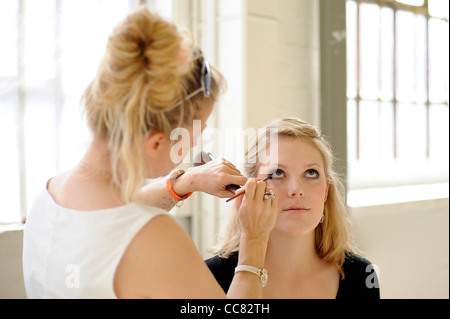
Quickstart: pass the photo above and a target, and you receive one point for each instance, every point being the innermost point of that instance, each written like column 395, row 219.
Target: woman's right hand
column 257, row 215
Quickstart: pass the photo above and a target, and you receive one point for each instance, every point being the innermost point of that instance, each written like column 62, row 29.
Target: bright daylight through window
column 398, row 93
column 53, row 51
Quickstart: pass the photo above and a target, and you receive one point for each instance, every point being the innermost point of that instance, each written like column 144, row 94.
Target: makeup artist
column 89, row 234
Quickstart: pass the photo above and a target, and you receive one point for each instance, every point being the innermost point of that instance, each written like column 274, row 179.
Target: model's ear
column 154, row 143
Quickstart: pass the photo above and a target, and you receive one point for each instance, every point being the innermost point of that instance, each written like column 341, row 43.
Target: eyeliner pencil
column 240, row 194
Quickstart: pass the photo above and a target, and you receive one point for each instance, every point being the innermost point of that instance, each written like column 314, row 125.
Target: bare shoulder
column 55, row 186
column 55, row 182
column 163, row 262
column 84, row 193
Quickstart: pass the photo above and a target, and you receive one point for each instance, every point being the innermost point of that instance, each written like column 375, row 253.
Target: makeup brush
column 240, row 194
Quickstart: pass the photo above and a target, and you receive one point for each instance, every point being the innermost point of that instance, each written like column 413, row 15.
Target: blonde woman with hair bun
column 96, row 231
column 310, row 252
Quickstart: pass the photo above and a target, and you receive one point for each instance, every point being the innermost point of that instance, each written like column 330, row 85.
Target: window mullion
column 358, row 80
column 428, row 104
column 21, row 109
column 59, row 94
column 395, row 84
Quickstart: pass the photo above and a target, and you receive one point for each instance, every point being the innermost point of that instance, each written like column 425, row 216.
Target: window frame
column 334, row 112
column 395, row 6
column 20, row 83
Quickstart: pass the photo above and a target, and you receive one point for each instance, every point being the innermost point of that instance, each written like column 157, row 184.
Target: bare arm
column 163, row 262
column 211, row 178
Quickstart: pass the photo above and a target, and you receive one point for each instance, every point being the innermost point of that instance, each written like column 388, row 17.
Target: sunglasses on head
column 205, row 81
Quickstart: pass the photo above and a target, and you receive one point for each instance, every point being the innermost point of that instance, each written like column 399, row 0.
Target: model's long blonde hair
column 149, row 67
column 333, row 236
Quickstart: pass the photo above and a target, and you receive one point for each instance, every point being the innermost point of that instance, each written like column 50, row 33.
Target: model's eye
column 312, row 173
column 277, row 173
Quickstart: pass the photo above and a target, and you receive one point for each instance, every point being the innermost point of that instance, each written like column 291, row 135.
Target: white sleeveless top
column 74, row 254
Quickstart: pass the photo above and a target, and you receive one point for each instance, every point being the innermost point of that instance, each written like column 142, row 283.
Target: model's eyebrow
column 314, row 164
column 279, row 166
column 273, row 167
column 285, row 167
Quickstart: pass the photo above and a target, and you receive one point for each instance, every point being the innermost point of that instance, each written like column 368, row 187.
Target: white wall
column 11, row 277
column 282, row 60
column 269, row 52
column 410, row 244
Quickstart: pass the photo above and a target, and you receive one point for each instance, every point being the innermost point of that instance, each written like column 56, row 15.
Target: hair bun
column 146, row 49
column 185, row 57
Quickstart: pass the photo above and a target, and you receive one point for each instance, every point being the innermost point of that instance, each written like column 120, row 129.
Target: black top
column 360, row 282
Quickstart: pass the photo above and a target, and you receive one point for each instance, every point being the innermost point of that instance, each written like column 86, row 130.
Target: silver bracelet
column 261, row 273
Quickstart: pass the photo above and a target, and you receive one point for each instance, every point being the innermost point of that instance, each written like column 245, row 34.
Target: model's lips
column 297, row 209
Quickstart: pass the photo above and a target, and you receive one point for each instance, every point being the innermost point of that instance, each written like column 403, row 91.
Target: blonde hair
column 333, row 236
column 149, row 66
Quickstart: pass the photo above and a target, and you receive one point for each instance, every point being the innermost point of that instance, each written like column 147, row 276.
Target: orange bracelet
column 169, row 180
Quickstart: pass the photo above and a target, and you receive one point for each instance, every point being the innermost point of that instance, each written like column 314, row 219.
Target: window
column 53, row 49
column 397, row 92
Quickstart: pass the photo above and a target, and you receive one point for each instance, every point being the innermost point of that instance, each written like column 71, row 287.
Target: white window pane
column 376, row 131
column 386, row 122
column 352, row 120
column 230, row 7
column 405, row 56
column 412, row 132
column 9, row 8
column 82, row 45
column 439, row 61
column 8, row 37
column 99, row 20
column 439, row 133
column 40, row 47
column 164, row 7
column 231, row 64
column 420, row 60
column 369, row 132
column 387, row 54
column 351, row 49
column 412, row 57
column 40, row 8
column 9, row 161
column 370, row 34
column 61, row 38
column 40, row 140
column 438, row 8
column 112, row 12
